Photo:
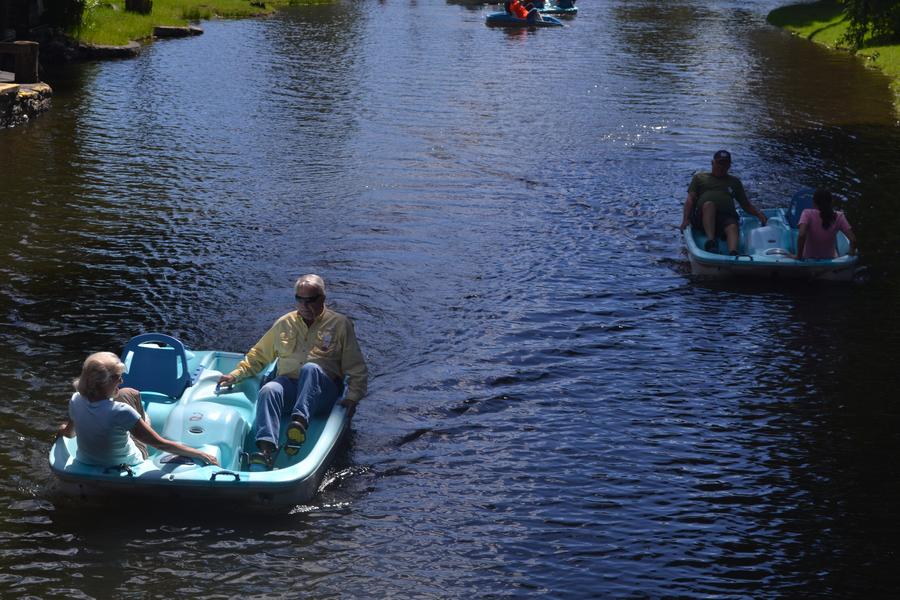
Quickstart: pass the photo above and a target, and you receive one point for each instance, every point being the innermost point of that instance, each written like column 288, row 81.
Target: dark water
column 557, row 410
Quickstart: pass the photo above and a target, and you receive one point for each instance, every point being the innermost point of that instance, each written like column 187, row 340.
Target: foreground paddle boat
column 768, row 251
column 504, row 19
column 179, row 389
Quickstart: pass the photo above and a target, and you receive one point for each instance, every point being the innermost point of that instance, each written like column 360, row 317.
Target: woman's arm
column 144, row 433
column 852, row 237
column 801, row 241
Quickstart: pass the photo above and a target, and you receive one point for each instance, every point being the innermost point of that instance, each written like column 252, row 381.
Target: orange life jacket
column 518, row 10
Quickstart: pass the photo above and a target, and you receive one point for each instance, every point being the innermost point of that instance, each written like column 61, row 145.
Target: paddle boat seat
column 800, row 201
column 157, row 366
column 769, row 240
column 155, row 362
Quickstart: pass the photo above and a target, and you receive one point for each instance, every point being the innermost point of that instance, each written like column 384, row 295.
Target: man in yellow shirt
column 316, row 350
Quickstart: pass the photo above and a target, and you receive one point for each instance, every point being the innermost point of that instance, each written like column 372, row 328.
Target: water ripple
column 556, row 409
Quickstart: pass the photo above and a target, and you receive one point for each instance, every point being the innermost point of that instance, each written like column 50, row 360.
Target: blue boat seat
column 155, row 362
column 800, row 201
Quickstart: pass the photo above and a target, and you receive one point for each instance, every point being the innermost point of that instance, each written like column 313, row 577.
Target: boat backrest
column 155, row 362
column 800, row 201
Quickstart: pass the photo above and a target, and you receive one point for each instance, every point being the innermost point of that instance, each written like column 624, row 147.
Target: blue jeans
column 314, row 393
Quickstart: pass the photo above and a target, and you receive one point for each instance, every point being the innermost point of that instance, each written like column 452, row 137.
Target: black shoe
column 733, row 253
column 710, row 245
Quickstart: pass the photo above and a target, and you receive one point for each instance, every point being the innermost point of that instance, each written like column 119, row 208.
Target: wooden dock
column 22, row 95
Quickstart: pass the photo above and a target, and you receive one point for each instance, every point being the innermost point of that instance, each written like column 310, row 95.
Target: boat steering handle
column 227, row 389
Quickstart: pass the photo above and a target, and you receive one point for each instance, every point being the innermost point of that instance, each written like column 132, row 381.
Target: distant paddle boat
column 565, row 8
column 769, row 251
column 180, row 393
column 504, row 19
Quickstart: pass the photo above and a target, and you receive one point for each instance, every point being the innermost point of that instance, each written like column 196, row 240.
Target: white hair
column 313, row 280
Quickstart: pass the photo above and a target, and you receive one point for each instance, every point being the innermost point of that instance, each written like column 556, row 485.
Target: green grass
column 106, row 22
column 824, row 23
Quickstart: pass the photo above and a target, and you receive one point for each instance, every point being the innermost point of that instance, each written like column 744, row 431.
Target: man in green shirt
column 710, row 204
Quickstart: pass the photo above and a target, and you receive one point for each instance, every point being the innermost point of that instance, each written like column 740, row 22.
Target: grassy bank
column 824, row 22
column 106, row 21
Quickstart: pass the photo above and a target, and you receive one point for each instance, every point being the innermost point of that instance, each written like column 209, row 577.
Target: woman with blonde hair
column 110, row 423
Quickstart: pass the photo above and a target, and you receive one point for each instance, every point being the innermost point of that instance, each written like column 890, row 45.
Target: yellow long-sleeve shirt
column 329, row 342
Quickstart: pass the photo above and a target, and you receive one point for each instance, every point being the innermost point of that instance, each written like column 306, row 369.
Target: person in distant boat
column 819, row 226
column 110, row 423
column 316, row 349
column 710, row 204
column 522, row 11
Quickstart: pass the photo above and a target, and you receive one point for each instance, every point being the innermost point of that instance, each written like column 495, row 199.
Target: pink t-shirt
column 820, row 243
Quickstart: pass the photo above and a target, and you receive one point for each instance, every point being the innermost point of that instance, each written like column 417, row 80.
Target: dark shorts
column 723, row 220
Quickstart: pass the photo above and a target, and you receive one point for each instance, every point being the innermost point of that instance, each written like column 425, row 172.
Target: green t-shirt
column 723, row 191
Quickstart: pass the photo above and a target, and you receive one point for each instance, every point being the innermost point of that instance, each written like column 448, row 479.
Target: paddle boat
column 181, row 396
column 565, row 8
column 504, row 19
column 768, row 251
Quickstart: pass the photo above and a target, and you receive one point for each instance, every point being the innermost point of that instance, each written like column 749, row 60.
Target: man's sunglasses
column 307, row 300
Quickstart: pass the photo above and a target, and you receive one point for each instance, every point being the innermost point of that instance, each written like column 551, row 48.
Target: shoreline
column 22, row 102
column 110, row 25
column 824, row 23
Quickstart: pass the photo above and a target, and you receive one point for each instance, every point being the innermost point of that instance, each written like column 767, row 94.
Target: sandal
column 710, row 245
column 296, row 435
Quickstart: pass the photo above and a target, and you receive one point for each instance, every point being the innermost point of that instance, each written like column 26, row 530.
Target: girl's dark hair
column 822, row 201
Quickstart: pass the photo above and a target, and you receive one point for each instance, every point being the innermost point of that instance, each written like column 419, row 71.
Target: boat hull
column 220, row 424
column 502, row 19
column 766, row 253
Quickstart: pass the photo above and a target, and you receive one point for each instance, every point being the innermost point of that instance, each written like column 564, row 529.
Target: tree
column 64, row 13
column 871, row 19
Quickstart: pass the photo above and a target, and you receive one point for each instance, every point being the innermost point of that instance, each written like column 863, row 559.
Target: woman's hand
column 207, row 459
column 227, row 380
column 65, row 430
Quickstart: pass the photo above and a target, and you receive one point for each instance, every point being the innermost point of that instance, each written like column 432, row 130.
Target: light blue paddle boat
column 564, row 8
column 504, row 19
column 180, row 392
column 768, row 252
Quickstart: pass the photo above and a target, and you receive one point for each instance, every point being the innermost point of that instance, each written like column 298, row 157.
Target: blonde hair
column 313, row 280
column 98, row 372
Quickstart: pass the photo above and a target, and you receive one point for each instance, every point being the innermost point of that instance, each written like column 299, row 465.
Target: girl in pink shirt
column 819, row 227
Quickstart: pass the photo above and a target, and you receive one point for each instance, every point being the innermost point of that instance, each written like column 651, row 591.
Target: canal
column 556, row 409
